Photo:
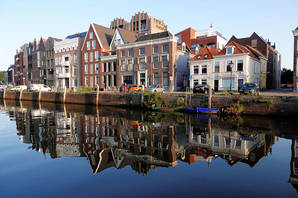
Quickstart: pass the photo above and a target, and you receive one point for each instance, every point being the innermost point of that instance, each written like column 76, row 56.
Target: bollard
column 97, row 95
column 21, row 93
column 209, row 96
column 39, row 95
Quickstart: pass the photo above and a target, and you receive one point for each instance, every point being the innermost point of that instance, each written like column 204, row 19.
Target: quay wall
column 250, row 105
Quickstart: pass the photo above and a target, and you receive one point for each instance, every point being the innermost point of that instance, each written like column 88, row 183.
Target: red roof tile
column 206, row 51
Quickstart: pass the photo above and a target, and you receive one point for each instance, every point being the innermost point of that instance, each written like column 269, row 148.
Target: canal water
column 50, row 150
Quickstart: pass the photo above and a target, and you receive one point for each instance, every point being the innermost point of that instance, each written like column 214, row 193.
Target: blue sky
column 22, row 21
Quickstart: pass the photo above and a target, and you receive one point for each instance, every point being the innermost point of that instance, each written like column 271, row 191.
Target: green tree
column 286, row 76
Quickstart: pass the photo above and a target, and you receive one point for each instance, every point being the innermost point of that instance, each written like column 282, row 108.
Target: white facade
column 67, row 63
column 221, row 40
column 218, row 75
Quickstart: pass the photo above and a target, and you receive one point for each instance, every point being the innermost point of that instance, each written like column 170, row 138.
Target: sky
column 22, row 21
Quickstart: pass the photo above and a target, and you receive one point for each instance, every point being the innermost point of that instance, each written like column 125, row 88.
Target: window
column 109, row 66
column 123, row 53
column 86, row 57
column 229, row 50
column 254, row 43
column 74, row 70
column 240, row 65
column 93, row 44
column 165, row 48
column 155, row 49
column 142, row 64
column 96, row 67
column 217, row 65
column 130, row 65
column 155, row 78
column 123, row 65
column 226, row 83
column 91, row 69
column 104, row 67
column 227, row 142
column 115, row 66
column 193, row 46
column 204, row 69
column 165, row 62
column 142, row 51
column 86, row 81
column 96, row 81
column 66, row 59
column 179, row 38
column 91, row 35
column 206, row 56
column 165, row 79
column 155, row 62
column 199, row 57
column 96, row 56
column 88, row 45
column 196, row 69
column 204, row 81
column 216, row 142
column 195, row 82
column 130, row 52
column 115, row 80
column 86, row 68
column 238, row 144
column 91, row 56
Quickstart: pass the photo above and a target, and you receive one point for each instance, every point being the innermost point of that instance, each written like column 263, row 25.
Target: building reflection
column 294, row 164
column 116, row 141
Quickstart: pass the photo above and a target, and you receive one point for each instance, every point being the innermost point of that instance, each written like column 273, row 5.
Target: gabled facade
column 295, row 61
column 38, row 62
column 226, row 69
column 271, row 54
column 19, row 78
column 96, row 44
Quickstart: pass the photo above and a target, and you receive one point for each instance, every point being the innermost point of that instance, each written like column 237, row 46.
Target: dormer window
column 91, row 35
column 229, row 50
column 199, row 57
column 206, row 56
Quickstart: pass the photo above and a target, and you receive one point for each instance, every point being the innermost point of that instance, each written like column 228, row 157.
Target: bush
column 84, row 90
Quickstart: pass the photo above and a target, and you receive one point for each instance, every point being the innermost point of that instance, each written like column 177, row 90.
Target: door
column 215, row 85
column 240, row 83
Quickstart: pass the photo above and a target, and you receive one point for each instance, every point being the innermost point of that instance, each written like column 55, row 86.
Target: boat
column 202, row 110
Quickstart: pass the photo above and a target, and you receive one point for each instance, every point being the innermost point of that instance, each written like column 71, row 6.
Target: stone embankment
column 250, row 105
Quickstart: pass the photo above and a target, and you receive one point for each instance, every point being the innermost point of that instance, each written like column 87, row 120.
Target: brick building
column 141, row 22
column 295, row 61
column 99, row 60
column 197, row 40
column 271, row 54
column 19, row 78
column 38, row 62
column 149, row 60
column 49, row 70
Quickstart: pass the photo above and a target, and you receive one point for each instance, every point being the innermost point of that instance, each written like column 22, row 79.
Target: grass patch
column 84, row 90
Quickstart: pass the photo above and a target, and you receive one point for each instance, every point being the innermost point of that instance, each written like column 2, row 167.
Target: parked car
column 41, row 87
column 155, row 88
column 201, row 88
column 250, row 88
column 19, row 88
column 135, row 88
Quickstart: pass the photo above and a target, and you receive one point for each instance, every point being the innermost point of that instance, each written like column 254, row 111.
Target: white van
column 41, row 87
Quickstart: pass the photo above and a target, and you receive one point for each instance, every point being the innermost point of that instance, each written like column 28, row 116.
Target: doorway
column 215, row 85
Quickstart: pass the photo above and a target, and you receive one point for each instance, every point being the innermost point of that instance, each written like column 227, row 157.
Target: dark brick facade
column 19, row 68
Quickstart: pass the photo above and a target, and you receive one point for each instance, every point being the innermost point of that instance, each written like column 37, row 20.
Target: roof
column 80, row 35
column 296, row 28
column 128, row 36
column 154, row 36
column 239, row 49
column 105, row 35
column 204, row 51
column 255, row 51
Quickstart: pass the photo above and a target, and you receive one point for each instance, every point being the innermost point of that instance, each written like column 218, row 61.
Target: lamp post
column 231, row 64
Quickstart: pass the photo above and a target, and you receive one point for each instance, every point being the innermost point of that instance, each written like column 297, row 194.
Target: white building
column 226, row 69
column 68, row 61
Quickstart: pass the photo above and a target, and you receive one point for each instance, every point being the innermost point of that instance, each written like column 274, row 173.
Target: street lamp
column 231, row 64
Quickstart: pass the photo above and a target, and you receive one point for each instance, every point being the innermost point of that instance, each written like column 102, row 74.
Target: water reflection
column 143, row 141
